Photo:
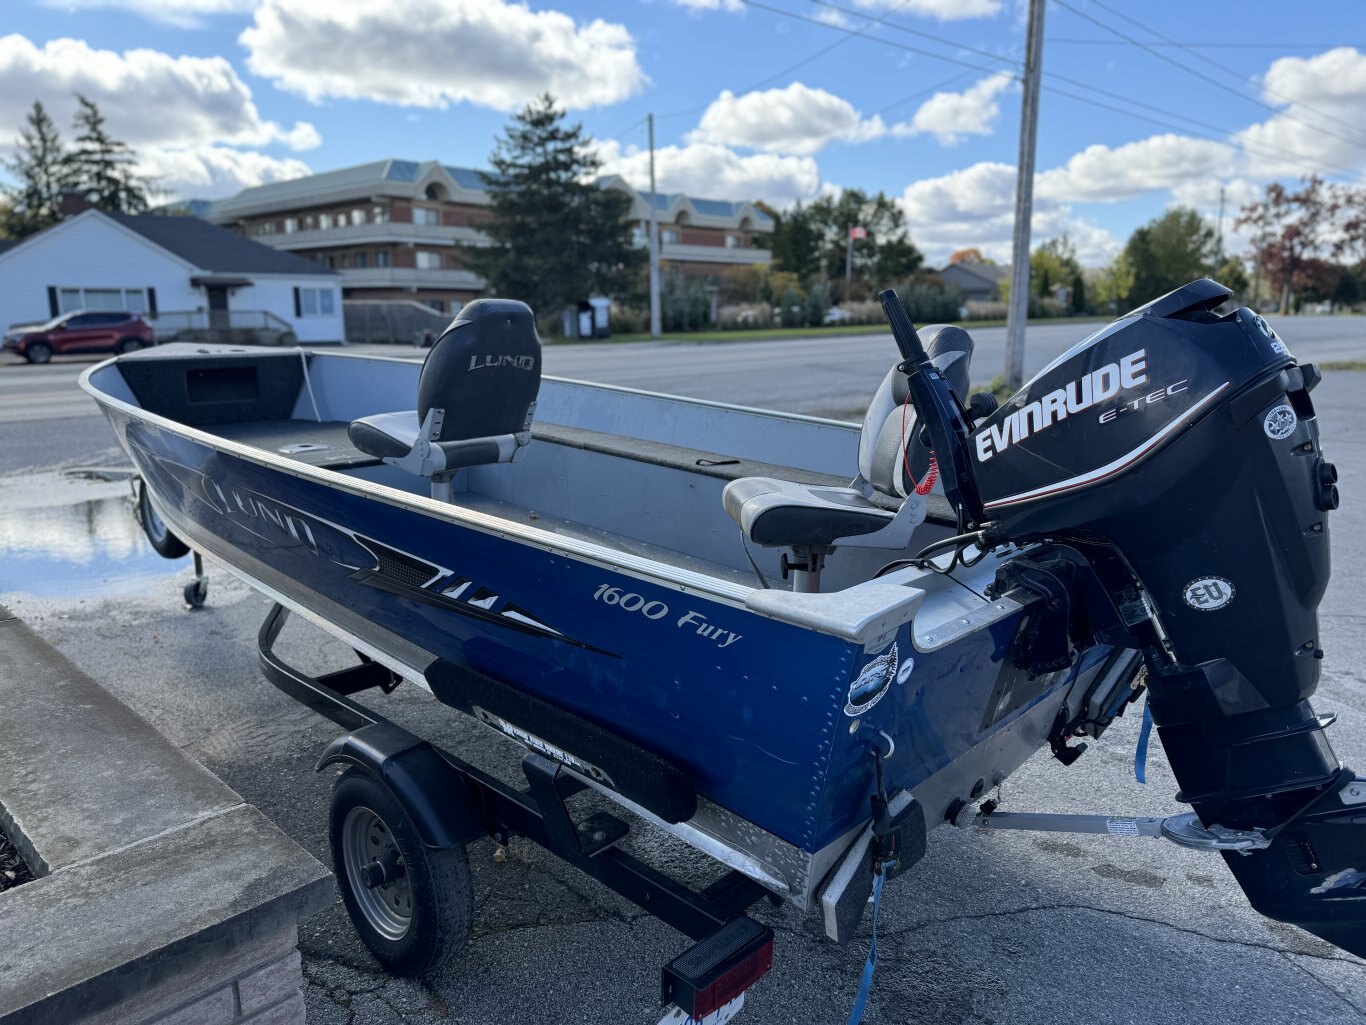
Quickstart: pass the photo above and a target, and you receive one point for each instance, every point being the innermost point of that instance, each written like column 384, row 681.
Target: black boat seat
column 892, row 459
column 476, row 397
column 780, row 512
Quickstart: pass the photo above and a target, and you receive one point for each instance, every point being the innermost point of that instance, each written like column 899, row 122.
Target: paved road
column 1015, row 929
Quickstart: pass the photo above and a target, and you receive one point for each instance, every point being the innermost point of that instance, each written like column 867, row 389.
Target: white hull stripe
column 1118, row 465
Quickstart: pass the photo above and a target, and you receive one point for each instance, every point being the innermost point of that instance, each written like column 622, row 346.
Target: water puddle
column 64, row 536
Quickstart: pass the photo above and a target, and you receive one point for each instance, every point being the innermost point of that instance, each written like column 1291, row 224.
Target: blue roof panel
column 401, row 171
column 470, row 179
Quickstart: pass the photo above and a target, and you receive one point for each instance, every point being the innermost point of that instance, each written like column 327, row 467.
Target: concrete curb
column 161, row 896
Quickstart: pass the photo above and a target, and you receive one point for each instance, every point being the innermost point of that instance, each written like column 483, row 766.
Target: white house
column 182, row 271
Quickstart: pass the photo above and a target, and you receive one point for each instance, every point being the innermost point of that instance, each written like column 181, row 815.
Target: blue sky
column 750, row 103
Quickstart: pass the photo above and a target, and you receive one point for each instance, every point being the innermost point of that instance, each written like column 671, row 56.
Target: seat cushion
column 783, row 513
column 390, row 435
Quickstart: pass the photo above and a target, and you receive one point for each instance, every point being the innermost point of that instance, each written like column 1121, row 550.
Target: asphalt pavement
column 1000, row 928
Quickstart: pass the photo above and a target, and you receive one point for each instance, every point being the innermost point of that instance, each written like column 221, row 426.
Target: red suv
column 81, row 331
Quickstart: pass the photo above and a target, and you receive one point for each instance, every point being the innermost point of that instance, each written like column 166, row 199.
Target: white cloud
column 183, row 13
column 734, row 6
column 796, row 119
column 184, row 117
column 709, row 171
column 949, row 116
column 1100, row 173
column 148, row 97
column 432, row 53
column 974, row 206
column 1319, row 94
column 214, row 172
column 943, row 10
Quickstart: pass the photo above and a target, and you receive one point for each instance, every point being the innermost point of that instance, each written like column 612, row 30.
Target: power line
column 1201, row 75
column 862, row 33
column 1227, row 70
column 877, row 39
column 1210, row 46
column 911, row 31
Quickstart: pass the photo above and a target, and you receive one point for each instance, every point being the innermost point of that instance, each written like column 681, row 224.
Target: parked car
column 80, row 331
column 835, row 315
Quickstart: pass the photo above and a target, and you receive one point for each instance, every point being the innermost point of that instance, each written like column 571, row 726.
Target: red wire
column 931, row 474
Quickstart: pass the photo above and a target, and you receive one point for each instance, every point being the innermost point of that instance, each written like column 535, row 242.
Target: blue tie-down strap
column 866, row 986
column 1141, row 751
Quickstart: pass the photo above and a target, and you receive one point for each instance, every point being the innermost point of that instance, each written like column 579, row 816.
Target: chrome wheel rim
column 388, row 908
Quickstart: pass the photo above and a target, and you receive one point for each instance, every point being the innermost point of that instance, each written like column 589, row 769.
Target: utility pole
column 1018, row 310
column 655, row 327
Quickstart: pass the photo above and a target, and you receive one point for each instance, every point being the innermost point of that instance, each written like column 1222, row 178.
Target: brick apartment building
column 395, row 229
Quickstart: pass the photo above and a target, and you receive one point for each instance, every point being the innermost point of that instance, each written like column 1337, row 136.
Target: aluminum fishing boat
column 795, row 643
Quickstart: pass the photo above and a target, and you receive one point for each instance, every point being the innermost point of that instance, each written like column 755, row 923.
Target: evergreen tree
column 102, row 166
column 41, row 171
column 556, row 236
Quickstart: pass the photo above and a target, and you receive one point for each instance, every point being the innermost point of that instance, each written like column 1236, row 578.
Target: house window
column 134, row 300
column 378, row 214
column 357, row 216
column 317, row 302
column 267, row 227
column 344, row 260
column 382, row 259
column 291, row 225
column 428, row 261
column 437, row 304
column 309, row 221
column 324, row 220
column 426, row 215
column 362, row 260
column 670, row 236
column 732, row 241
column 639, row 236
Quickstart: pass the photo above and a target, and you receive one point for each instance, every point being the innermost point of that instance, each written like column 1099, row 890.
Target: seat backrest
column 890, row 425
column 484, row 372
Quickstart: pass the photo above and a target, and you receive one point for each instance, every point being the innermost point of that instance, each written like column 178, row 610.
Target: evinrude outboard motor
column 1170, row 466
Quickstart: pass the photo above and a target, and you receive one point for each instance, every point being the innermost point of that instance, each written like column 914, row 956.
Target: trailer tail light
column 716, row 970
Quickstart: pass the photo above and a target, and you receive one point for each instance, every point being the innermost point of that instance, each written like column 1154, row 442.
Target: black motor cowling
column 1177, row 450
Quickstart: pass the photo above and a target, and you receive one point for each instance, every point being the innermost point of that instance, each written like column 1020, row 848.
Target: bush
column 983, row 309
column 629, row 320
column 818, row 302
column 686, row 306
column 744, row 316
column 931, row 301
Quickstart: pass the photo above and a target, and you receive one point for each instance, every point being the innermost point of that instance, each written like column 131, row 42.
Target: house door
column 218, row 306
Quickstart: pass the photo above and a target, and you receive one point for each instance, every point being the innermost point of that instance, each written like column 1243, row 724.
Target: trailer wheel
column 163, row 542
column 411, row 905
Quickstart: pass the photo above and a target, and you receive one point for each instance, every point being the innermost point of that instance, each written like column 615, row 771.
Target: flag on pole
column 858, row 231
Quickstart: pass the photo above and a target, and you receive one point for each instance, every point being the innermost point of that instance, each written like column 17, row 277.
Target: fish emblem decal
column 872, row 682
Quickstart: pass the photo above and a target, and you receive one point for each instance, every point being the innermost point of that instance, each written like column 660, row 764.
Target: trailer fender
column 431, row 791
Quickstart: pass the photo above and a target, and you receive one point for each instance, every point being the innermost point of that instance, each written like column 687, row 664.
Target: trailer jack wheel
column 411, row 905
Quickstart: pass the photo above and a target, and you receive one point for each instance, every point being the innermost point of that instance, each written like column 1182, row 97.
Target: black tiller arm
column 939, row 410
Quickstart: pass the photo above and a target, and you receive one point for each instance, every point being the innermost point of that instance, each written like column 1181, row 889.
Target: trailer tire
column 415, row 923
column 159, row 536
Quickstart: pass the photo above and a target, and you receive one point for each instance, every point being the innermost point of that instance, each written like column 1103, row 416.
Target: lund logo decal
column 516, row 362
column 1280, row 423
column 872, row 682
column 1208, row 594
column 1059, row 404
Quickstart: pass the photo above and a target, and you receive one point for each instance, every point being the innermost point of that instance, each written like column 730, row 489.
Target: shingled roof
column 211, row 248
